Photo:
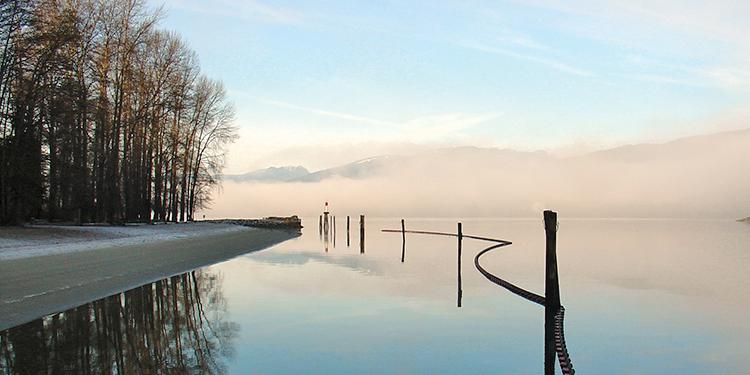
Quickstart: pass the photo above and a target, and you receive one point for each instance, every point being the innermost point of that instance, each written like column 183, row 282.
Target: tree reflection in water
column 175, row 325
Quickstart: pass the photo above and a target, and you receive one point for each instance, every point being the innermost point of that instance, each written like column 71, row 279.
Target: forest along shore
column 65, row 267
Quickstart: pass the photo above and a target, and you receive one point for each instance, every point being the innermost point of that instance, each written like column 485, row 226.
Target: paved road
column 31, row 288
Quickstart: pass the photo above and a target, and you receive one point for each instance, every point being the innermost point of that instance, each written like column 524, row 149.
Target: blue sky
column 324, row 83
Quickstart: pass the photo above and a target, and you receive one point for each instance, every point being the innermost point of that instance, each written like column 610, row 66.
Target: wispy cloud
column 448, row 123
column 662, row 79
column 245, row 9
column 733, row 78
column 502, row 32
column 343, row 116
column 721, row 19
column 523, row 40
column 715, row 34
column 424, row 127
column 728, row 77
column 550, row 63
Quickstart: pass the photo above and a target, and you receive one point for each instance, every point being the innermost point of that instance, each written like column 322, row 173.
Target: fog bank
column 697, row 177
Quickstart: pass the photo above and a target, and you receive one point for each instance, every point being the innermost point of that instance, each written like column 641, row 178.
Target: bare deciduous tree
column 103, row 116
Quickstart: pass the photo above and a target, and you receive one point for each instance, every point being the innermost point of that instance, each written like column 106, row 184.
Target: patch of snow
column 37, row 240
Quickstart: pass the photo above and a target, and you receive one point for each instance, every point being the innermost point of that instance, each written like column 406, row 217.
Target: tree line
column 104, row 117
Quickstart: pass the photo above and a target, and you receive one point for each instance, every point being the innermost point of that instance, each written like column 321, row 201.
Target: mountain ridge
column 272, row 174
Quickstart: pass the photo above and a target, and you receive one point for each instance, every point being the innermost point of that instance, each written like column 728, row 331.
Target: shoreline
column 49, row 239
column 77, row 268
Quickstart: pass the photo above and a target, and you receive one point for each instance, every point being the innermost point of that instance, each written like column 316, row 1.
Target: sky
column 324, row 83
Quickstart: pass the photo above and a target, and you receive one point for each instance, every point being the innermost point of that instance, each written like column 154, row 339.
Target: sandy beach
column 47, row 269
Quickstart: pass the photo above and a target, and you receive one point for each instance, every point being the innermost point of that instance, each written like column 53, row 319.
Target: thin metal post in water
column 460, row 240
column 552, row 292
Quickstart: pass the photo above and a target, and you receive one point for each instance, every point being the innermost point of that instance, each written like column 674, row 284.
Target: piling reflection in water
column 554, row 341
column 361, row 234
column 459, row 235
column 175, row 325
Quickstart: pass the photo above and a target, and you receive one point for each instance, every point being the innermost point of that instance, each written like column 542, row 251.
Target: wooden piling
column 403, row 240
column 347, row 230
column 552, row 292
column 460, row 240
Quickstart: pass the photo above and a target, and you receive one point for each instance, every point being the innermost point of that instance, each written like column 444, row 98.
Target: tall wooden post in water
column 460, row 240
column 551, row 292
column 403, row 240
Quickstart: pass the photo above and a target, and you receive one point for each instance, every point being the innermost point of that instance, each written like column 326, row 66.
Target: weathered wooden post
column 460, row 240
column 320, row 225
column 362, row 234
column 403, row 240
column 347, row 230
column 551, row 292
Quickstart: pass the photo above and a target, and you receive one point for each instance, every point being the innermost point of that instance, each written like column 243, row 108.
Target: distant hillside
column 690, row 147
column 357, row 170
column 272, row 174
column 456, row 159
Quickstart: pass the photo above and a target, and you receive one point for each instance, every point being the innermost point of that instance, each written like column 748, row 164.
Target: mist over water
column 698, row 177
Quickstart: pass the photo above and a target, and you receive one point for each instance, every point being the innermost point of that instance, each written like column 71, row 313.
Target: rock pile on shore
column 291, row 222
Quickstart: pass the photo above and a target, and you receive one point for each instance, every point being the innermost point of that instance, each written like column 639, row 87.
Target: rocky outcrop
column 272, row 222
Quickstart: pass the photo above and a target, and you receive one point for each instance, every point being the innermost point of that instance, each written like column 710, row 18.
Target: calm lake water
column 641, row 297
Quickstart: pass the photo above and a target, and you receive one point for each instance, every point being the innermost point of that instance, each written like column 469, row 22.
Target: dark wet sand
column 31, row 288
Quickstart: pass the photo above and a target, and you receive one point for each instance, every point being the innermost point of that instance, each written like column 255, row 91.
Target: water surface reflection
column 175, row 325
column 643, row 296
column 303, row 309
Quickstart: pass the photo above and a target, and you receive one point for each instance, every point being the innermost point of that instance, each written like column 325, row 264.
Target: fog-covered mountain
column 273, row 174
column 357, row 170
column 695, row 177
column 380, row 166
